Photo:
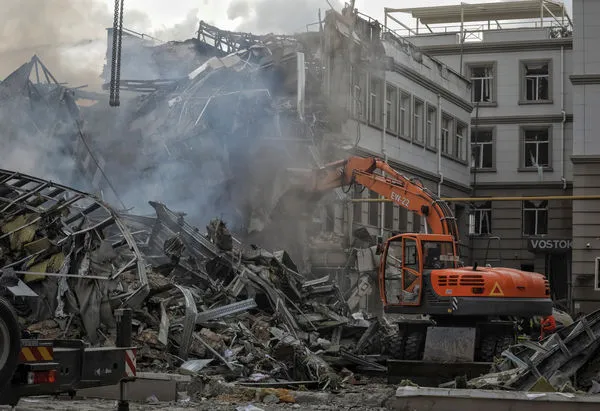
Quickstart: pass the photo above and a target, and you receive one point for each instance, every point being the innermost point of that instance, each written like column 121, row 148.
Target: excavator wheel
column 394, row 346
column 492, row 346
column 413, row 347
column 10, row 342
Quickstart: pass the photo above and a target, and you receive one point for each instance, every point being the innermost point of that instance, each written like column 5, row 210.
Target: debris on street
column 203, row 302
column 565, row 361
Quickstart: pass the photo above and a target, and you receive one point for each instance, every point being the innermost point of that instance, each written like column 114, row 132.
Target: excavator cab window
column 438, row 255
column 393, row 272
column 402, row 276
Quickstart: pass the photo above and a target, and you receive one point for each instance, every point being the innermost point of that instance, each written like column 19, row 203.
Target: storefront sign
column 550, row 245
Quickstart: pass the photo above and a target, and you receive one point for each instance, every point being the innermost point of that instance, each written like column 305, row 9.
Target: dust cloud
column 277, row 16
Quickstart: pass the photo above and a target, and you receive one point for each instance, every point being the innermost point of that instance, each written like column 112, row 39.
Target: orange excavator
column 471, row 310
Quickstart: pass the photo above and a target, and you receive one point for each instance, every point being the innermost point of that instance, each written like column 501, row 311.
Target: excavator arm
column 403, row 191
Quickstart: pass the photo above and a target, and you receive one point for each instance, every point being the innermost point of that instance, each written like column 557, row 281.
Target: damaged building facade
column 305, row 99
column 394, row 102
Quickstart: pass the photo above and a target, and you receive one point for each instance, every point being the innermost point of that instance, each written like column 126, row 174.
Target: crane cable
column 115, row 73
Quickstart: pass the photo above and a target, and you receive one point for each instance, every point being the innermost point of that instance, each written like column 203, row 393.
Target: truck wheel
column 10, row 342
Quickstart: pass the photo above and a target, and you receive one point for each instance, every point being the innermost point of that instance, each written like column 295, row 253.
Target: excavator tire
column 492, row 346
column 394, row 346
column 10, row 342
column 414, row 345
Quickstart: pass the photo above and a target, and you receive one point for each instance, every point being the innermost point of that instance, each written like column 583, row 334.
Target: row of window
column 534, row 216
column 407, row 116
column 535, row 82
column 535, row 147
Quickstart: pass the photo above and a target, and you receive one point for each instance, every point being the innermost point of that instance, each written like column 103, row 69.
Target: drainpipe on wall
column 439, row 147
column 564, row 118
column 383, row 148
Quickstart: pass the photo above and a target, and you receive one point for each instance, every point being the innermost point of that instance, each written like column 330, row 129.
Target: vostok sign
column 550, row 245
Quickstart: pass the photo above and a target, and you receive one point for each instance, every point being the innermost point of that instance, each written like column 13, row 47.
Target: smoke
column 277, row 16
column 69, row 36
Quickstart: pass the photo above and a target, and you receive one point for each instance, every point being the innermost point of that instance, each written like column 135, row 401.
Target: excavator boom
column 408, row 193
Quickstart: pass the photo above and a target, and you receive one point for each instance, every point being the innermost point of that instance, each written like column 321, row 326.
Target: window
column 459, row 142
column 431, row 126
column 535, row 81
column 402, row 219
column 388, row 215
column 359, row 95
column 329, row 218
column 537, row 147
column 404, row 115
column 411, row 255
column 482, row 148
column 447, row 127
column 418, row 121
column 373, row 209
column 597, row 274
column 374, row 102
column 483, row 218
column 416, row 223
column 482, row 83
column 391, row 105
column 535, row 217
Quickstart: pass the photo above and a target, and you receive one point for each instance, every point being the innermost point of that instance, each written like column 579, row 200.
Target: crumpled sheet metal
column 51, row 228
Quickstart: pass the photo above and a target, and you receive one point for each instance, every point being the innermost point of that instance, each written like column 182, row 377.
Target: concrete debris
column 570, row 354
column 204, row 303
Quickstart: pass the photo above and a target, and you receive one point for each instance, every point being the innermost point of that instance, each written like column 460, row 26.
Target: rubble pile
column 201, row 301
column 566, row 361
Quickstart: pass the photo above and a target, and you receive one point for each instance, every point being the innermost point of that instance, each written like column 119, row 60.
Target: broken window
column 431, row 127
column 482, row 148
column 359, row 95
column 373, row 209
column 404, row 121
column 447, row 128
column 482, row 83
column 459, row 142
column 392, row 108
column 535, row 217
column 483, row 218
column 536, row 81
column 374, row 102
column 418, row 121
column 537, row 147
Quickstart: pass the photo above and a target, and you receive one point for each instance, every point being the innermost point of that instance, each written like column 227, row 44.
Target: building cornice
column 499, row 47
column 412, row 170
column 435, row 88
column 522, row 185
column 585, row 159
column 582, row 79
column 539, row 119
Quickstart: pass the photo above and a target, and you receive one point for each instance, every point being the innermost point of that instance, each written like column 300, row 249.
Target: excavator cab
column 406, row 258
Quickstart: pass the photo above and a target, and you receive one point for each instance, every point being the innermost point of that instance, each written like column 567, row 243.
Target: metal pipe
column 383, row 144
column 439, row 145
column 564, row 117
column 478, row 199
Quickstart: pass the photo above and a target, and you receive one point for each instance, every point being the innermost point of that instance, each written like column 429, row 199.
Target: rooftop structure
column 474, row 19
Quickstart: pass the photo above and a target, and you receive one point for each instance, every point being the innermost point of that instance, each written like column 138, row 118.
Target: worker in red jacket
column 548, row 326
